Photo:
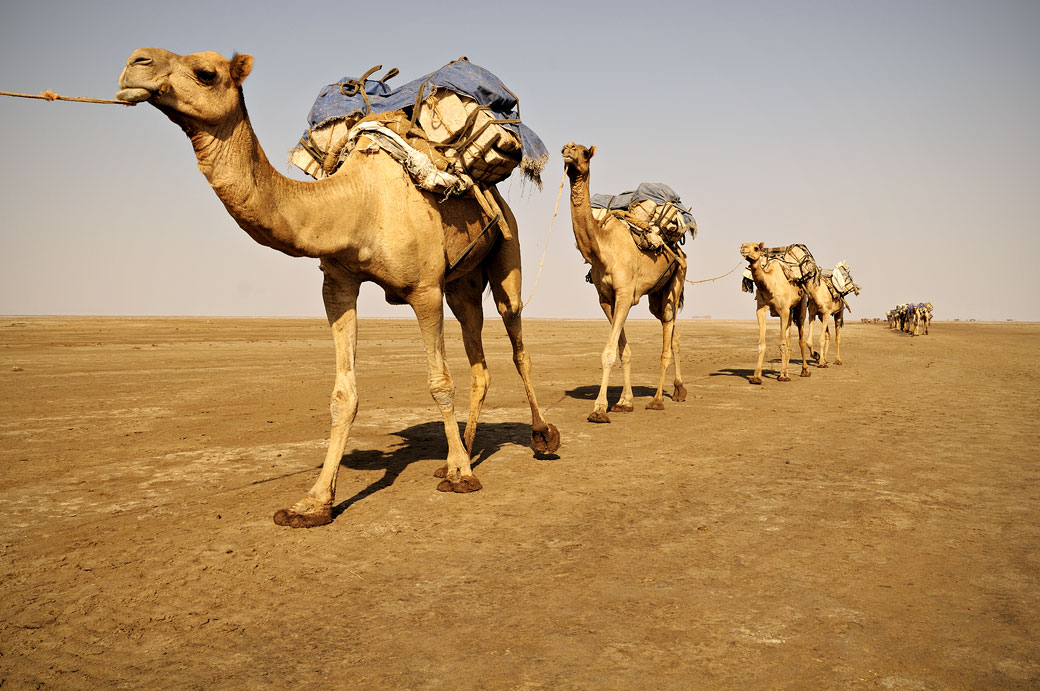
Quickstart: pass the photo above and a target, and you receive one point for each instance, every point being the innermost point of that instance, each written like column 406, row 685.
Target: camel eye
column 207, row 77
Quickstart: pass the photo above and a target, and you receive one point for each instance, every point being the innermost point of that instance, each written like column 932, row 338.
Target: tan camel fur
column 778, row 296
column 823, row 305
column 622, row 273
column 368, row 222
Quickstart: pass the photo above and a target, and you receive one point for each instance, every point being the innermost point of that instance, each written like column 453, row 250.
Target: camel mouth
column 133, row 95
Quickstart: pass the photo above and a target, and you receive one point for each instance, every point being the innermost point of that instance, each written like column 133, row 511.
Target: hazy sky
column 901, row 136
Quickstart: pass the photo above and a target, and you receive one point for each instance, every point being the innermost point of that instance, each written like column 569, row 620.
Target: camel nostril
column 140, row 60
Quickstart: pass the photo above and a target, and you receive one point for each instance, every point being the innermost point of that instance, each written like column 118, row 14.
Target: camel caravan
column 787, row 283
column 911, row 318
column 404, row 196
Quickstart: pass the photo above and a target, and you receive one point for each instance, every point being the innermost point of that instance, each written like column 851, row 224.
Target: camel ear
column 241, row 66
column 592, row 151
column 761, row 245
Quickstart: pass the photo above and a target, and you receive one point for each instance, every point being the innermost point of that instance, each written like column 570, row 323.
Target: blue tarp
column 657, row 192
column 460, row 76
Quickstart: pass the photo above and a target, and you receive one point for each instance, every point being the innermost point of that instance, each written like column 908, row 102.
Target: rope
column 705, row 280
column 49, row 95
column 559, row 195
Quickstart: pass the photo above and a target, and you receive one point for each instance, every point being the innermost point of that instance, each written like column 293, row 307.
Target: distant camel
column 622, row 273
column 780, row 296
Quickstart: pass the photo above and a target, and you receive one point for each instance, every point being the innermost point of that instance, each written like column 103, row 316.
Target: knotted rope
column 49, row 95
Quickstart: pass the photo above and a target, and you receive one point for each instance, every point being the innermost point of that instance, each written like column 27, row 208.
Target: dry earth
column 874, row 526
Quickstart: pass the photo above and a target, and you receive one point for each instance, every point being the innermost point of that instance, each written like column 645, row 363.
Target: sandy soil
column 874, row 526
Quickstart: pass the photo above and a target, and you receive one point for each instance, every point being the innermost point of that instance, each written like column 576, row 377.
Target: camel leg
column 668, row 330
column 429, row 311
column 464, row 299
column 625, row 403
column 785, row 344
column 760, row 313
column 504, row 275
column 679, row 393
column 837, row 341
column 812, row 326
column 340, row 292
column 609, row 357
column 799, row 319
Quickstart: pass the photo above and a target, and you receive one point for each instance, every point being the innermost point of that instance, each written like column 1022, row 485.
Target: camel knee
column 343, row 405
column 609, row 356
column 443, row 392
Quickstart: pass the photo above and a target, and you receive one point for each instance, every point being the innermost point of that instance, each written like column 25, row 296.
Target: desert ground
column 876, row 525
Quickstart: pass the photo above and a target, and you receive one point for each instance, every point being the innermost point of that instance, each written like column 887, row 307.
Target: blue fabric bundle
column 461, row 76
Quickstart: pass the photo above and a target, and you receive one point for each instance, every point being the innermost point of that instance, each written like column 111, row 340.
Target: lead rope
column 556, row 210
column 49, row 95
column 706, row 280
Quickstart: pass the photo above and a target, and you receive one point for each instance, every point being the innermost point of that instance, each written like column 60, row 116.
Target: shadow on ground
column 589, row 393
column 426, row 442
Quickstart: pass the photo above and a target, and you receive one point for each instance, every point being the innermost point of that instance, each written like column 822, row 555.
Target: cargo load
column 461, row 118
column 653, row 213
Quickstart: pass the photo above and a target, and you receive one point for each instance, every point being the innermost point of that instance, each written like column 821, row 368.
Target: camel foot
column 815, row 356
column 783, row 377
column 679, row 395
column 822, row 366
column 754, row 380
column 655, row 404
column 598, row 416
column 545, row 441
column 306, row 514
column 442, row 471
column 805, row 373
column 619, row 408
column 838, row 362
column 464, row 485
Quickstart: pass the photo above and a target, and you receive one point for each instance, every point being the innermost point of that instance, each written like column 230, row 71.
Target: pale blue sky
column 901, row 136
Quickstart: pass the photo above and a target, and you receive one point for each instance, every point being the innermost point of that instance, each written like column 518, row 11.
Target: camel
column 368, row 222
column 622, row 274
column 777, row 295
column 825, row 305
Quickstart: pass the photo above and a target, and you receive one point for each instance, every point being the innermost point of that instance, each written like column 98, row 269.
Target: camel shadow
column 426, row 442
column 733, row 372
column 589, row 393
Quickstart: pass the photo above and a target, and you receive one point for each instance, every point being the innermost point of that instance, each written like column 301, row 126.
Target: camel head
column 201, row 88
column 752, row 251
column 576, row 158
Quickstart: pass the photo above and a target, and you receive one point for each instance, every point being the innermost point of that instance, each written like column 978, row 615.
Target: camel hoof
column 754, row 380
column 618, row 408
column 823, row 366
column 543, row 441
column 655, row 405
column 464, row 485
column 322, row 515
column 598, row 416
column 838, row 362
column 442, row 471
column 679, row 395
column 805, row 373
column 816, row 356
column 783, row 378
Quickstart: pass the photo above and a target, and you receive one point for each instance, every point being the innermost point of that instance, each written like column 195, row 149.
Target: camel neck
column 273, row 209
column 584, row 223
